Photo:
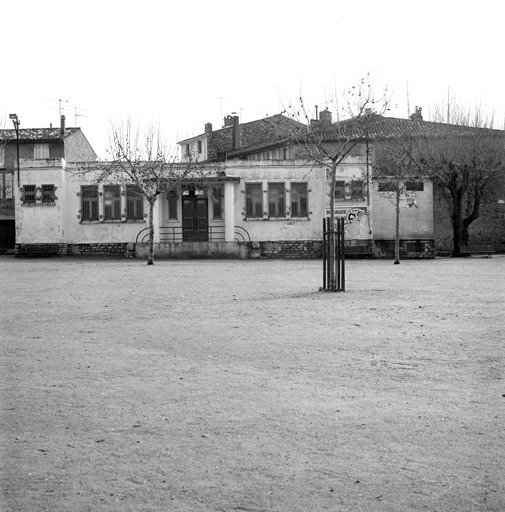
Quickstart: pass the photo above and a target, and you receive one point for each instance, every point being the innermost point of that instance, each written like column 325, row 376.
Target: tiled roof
column 36, row 134
column 382, row 128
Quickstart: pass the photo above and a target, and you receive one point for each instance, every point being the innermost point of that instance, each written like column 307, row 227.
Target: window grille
column 387, row 186
column 29, row 193
column 414, row 186
column 254, row 200
column 340, row 189
column 357, row 190
column 276, row 201
column 89, row 203
column 48, row 193
column 298, row 199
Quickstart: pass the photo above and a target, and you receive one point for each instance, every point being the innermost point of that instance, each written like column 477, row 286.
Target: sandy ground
column 237, row 386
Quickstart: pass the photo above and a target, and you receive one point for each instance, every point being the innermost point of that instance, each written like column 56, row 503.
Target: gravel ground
column 238, row 386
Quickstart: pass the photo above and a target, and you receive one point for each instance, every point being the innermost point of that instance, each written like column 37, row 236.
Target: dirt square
column 227, row 386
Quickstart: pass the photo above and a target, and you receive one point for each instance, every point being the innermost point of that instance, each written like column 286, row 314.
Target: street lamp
column 15, row 122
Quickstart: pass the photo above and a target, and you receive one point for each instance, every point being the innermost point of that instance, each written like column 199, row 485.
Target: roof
column 37, row 134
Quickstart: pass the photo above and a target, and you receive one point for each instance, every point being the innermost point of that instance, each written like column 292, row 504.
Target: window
column 340, row 189
column 172, row 205
column 298, row 199
column 41, row 151
column 254, row 201
column 112, row 202
column 199, row 146
column 5, row 186
column 29, row 195
column 285, row 154
column 2, row 156
column 276, row 202
column 217, row 203
column 134, row 203
column 48, row 194
column 89, row 203
column 357, row 190
column 387, row 186
column 414, row 186
column 187, row 149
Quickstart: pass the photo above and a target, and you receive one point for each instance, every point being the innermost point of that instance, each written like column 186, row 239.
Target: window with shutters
column 134, row 203
column 48, row 193
column 41, row 151
column 254, row 200
column 276, row 200
column 29, row 194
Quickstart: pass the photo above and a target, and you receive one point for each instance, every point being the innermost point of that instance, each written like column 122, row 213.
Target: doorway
column 195, row 219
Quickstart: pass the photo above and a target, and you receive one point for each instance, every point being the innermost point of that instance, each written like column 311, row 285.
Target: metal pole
column 343, row 255
column 324, row 254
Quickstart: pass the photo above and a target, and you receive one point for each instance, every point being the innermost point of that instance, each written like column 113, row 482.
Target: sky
column 180, row 65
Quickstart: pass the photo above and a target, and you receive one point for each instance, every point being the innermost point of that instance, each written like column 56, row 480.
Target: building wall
column 78, row 149
column 416, row 221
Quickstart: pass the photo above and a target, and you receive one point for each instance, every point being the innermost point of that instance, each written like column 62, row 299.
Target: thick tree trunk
column 457, row 222
column 150, row 258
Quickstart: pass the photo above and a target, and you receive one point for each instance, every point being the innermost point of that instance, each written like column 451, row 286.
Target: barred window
column 41, row 151
column 29, row 195
column 134, row 203
column 276, row 200
column 299, row 200
column 48, row 195
column 112, row 202
column 254, row 200
column 89, row 203
column 357, row 192
column 340, row 189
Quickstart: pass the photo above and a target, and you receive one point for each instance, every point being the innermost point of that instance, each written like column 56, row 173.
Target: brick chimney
column 62, row 126
column 325, row 117
column 417, row 115
column 236, row 133
column 208, row 127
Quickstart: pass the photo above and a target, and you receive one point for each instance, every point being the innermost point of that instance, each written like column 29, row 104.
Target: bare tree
column 395, row 167
column 140, row 160
column 328, row 141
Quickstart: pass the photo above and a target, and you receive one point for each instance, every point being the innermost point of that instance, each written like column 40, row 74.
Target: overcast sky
column 183, row 64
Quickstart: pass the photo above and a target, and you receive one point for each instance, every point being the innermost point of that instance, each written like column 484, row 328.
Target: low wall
column 192, row 250
column 409, row 249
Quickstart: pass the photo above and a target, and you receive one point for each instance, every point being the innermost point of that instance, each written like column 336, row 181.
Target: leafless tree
column 395, row 167
column 328, row 141
column 140, row 160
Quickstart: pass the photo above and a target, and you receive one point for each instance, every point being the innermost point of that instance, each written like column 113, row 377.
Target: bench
column 471, row 250
column 38, row 250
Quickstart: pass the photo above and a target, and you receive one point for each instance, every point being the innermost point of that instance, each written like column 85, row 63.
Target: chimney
column 228, row 121
column 417, row 115
column 325, row 117
column 368, row 111
column 236, row 133
column 208, row 127
column 62, row 126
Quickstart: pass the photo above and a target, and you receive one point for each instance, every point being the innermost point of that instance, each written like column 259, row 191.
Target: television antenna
column 60, row 107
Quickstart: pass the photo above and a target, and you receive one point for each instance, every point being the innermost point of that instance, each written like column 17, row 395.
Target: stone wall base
column 98, row 249
column 409, row 249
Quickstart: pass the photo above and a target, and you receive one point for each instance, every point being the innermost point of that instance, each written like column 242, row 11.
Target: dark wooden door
column 195, row 219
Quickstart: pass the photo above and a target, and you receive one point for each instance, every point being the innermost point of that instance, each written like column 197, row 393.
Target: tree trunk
column 397, row 232
column 150, row 258
column 331, row 237
column 457, row 222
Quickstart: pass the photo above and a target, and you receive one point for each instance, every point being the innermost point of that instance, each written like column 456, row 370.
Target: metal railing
column 175, row 234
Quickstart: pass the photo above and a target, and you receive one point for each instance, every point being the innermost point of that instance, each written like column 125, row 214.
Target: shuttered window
column 89, row 203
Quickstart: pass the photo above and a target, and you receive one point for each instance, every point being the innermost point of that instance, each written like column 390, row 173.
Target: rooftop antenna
column 60, row 101
column 448, row 106
column 76, row 115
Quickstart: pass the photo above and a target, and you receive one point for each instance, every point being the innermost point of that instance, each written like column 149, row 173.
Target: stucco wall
column 416, row 222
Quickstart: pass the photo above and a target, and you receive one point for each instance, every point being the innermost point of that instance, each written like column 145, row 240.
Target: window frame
column 279, row 210
column 253, row 206
column 217, row 203
column 40, row 151
column 358, row 193
column 340, row 186
column 414, row 186
column 89, row 203
column 28, row 193
column 50, row 197
column 112, row 211
column 172, row 199
column 135, row 201
column 300, row 199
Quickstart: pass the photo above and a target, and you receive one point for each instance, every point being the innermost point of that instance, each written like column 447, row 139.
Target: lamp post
column 15, row 122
